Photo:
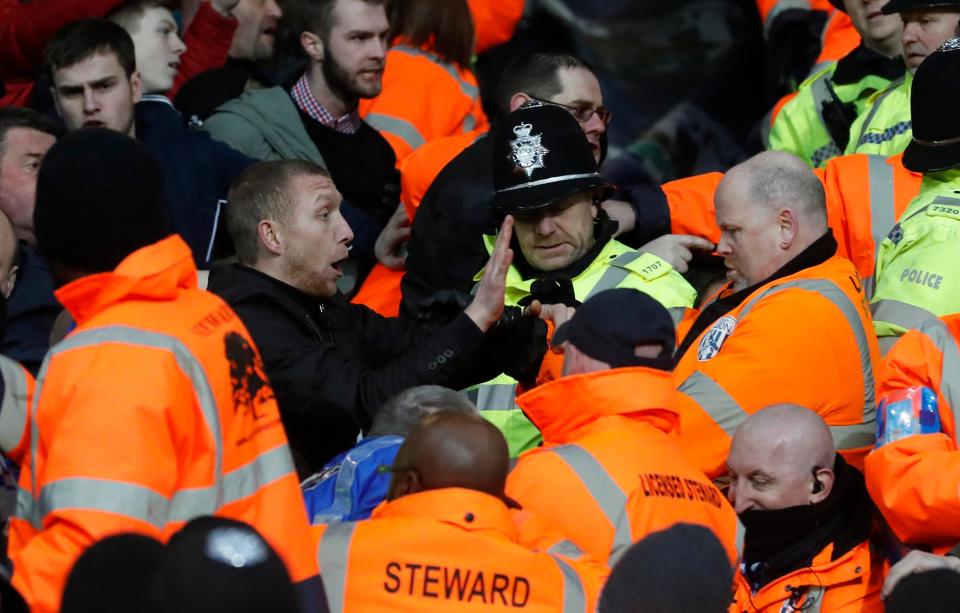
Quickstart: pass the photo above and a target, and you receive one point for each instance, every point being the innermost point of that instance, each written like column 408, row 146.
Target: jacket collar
column 468, row 510
column 569, row 408
column 155, row 272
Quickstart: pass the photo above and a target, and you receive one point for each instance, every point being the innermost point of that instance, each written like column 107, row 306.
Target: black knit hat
column 99, row 199
column 682, row 568
column 217, row 565
column 898, row 6
column 114, row 575
column 933, row 106
column 540, row 156
column 935, row 591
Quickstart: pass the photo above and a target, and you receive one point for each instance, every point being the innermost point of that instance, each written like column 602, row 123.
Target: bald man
column 807, row 515
column 791, row 325
column 446, row 541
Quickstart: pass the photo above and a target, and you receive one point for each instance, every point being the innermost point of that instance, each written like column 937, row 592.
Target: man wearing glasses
column 446, row 245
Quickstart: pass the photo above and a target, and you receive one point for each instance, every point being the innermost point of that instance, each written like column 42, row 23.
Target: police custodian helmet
column 541, row 156
column 933, row 106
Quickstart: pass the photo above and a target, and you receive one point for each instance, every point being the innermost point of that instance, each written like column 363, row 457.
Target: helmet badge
column 526, row 151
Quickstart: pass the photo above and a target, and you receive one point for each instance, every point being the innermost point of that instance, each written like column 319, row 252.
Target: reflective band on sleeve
column 714, row 400
column 470, row 91
column 604, row 491
column 676, row 314
column 401, row 128
column 565, row 548
column 494, row 396
column 830, row 291
column 882, row 202
column 940, row 336
column 13, row 406
column 615, row 274
column 342, row 504
column 902, row 314
column 574, row 596
column 873, row 110
column 333, row 556
column 116, row 497
column 469, row 123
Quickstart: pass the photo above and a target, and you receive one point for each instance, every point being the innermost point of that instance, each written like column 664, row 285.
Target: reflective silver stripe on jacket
column 470, row 91
column 882, row 208
column 727, row 412
column 574, row 596
column 615, row 274
column 899, row 313
column 605, row 492
column 565, row 548
column 876, row 107
column 346, row 476
column 13, row 406
column 401, row 128
column 135, row 500
column 333, row 556
column 494, row 396
column 942, row 339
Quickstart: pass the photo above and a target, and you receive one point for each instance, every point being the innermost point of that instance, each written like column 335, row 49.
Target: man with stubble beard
column 345, row 45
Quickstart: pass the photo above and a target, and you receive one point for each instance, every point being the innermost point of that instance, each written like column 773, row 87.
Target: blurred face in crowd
column 158, row 48
column 355, row 51
column 749, row 235
column 556, row 236
column 314, row 237
column 580, row 89
column 21, row 153
column 256, row 29
column 96, row 92
column 924, row 30
column 878, row 31
column 8, row 254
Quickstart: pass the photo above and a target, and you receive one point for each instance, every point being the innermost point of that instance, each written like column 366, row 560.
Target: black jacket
column 332, row 363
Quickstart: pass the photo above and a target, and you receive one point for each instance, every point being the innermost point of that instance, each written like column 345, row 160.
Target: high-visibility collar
column 469, row 510
column 571, row 407
column 938, row 181
column 824, row 572
column 155, row 272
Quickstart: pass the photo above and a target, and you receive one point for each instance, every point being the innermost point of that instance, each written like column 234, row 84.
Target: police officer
column 815, row 124
column 916, row 275
column 545, row 175
column 884, row 127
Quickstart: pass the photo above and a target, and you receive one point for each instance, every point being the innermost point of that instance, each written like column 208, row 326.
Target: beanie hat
column 682, row 568
column 99, row 199
column 934, row 591
column 114, row 575
column 217, row 565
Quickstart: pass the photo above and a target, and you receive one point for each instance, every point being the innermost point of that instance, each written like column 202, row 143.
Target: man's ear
column 136, row 86
column 517, row 100
column 268, row 233
column 823, row 479
column 788, row 222
column 404, row 483
column 312, row 46
column 7, row 285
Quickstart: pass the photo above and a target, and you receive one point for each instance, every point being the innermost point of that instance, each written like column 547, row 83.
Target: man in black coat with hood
column 332, row 363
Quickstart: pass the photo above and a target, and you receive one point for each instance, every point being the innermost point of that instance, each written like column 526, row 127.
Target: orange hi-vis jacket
column 865, row 196
column 915, row 482
column 494, row 21
column 423, row 98
column 849, row 584
column 839, row 38
column 609, row 472
column 155, row 410
column 449, row 550
column 806, row 339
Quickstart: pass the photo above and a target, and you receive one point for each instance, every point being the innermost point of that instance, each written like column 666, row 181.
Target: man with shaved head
column 807, row 515
column 446, row 539
column 790, row 326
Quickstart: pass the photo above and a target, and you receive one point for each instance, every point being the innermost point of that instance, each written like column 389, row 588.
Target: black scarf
column 782, row 541
column 863, row 62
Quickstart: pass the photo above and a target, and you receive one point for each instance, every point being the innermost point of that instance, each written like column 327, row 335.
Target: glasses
column 583, row 114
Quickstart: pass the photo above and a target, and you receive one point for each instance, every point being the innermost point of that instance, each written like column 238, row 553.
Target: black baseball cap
column 541, row 156
column 933, row 102
column 609, row 326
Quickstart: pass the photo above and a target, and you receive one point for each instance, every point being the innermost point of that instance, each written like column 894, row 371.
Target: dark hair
column 16, row 117
column 445, row 24
column 262, row 192
column 80, row 40
column 315, row 15
column 536, row 74
column 128, row 14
